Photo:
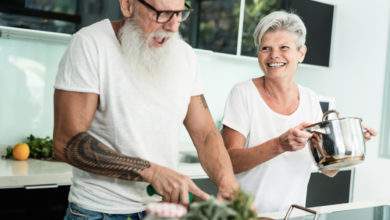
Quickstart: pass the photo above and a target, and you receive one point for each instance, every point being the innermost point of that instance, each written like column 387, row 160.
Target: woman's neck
column 282, row 96
column 280, row 89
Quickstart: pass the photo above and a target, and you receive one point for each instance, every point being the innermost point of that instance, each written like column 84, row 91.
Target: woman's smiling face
column 279, row 54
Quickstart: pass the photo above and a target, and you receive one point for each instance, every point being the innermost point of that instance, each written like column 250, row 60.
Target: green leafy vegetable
column 240, row 208
column 8, row 153
column 242, row 204
column 210, row 210
column 40, row 148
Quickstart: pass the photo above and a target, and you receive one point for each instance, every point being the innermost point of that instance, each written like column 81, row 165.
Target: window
column 385, row 126
column 66, row 16
column 213, row 25
column 254, row 11
column 224, row 26
column 48, row 15
column 227, row 26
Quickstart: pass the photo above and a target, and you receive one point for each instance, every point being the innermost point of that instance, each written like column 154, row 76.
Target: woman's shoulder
column 307, row 91
column 309, row 97
column 243, row 86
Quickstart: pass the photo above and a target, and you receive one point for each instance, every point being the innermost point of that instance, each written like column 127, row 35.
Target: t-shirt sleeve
column 197, row 88
column 78, row 68
column 236, row 114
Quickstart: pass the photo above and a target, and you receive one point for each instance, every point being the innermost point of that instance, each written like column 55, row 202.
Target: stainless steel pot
column 337, row 143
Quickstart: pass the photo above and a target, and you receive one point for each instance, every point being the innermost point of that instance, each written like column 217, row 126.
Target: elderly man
column 123, row 90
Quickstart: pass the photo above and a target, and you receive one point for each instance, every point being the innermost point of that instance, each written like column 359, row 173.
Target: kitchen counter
column 38, row 173
column 45, row 174
column 354, row 208
column 14, row 174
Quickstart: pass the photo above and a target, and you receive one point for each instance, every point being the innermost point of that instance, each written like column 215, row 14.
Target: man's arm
column 73, row 114
column 209, row 144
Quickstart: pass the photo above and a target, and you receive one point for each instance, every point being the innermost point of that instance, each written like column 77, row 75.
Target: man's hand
column 227, row 189
column 295, row 138
column 171, row 185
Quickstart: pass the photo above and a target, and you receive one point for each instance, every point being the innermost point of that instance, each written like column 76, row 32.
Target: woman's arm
column 244, row 159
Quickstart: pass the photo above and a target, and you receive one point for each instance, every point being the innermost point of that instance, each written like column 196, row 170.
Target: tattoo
column 87, row 153
column 204, row 102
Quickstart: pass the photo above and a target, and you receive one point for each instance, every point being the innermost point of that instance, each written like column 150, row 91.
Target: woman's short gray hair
column 280, row 20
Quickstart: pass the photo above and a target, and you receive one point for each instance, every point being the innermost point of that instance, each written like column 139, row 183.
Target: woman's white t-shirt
column 283, row 180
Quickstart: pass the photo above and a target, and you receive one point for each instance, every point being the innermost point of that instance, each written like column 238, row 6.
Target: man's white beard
column 144, row 59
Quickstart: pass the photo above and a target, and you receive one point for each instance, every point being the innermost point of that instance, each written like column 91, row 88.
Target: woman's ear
column 127, row 8
column 302, row 52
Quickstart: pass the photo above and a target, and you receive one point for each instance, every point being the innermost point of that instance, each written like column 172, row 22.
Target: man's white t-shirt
column 134, row 117
column 283, row 180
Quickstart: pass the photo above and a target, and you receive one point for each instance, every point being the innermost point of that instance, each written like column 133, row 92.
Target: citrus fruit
column 21, row 151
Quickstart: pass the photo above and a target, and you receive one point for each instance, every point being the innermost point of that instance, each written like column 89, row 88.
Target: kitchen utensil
column 337, row 143
column 287, row 216
column 151, row 191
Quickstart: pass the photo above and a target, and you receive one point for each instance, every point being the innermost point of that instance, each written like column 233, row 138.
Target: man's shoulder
column 96, row 30
column 188, row 49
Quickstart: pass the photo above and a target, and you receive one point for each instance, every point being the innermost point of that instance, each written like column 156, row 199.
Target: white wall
column 355, row 79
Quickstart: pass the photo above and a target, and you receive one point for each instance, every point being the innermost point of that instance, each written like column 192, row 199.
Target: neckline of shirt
column 261, row 100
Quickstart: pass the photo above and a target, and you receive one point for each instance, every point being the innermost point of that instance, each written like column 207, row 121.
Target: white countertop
column 37, row 173
column 327, row 209
column 14, row 174
column 32, row 173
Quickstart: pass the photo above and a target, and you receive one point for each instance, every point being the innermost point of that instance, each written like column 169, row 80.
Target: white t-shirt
column 283, row 180
column 133, row 117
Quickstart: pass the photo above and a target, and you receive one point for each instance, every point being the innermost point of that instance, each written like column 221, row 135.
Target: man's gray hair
column 280, row 20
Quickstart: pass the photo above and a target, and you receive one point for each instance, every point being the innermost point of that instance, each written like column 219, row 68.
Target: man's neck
column 117, row 25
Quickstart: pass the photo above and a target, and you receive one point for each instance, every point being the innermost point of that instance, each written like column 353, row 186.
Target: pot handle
column 301, row 208
column 327, row 113
column 316, row 129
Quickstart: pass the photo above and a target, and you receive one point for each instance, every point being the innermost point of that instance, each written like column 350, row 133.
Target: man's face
column 145, row 18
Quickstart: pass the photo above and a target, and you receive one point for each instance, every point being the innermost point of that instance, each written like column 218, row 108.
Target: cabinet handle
column 42, row 186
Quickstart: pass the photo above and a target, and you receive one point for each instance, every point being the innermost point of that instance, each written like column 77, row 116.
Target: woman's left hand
column 368, row 133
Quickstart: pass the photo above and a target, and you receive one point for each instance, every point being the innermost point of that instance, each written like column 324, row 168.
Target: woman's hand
column 368, row 133
column 295, row 138
column 329, row 173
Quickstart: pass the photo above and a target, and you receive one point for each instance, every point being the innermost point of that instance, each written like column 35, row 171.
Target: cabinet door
column 34, row 203
column 323, row 190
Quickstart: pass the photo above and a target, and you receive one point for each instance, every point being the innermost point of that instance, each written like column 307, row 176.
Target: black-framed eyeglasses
column 165, row 16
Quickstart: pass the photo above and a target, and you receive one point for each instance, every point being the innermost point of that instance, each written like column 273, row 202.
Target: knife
column 151, row 191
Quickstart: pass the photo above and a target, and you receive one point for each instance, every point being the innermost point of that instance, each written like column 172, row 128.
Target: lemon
column 21, row 151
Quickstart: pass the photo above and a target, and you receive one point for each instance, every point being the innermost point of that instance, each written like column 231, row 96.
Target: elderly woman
column 265, row 117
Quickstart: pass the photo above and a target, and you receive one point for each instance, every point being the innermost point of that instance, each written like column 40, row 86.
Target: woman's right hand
column 295, row 138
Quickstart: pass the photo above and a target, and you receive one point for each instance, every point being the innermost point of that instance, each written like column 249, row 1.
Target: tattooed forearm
column 87, row 153
column 204, row 101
